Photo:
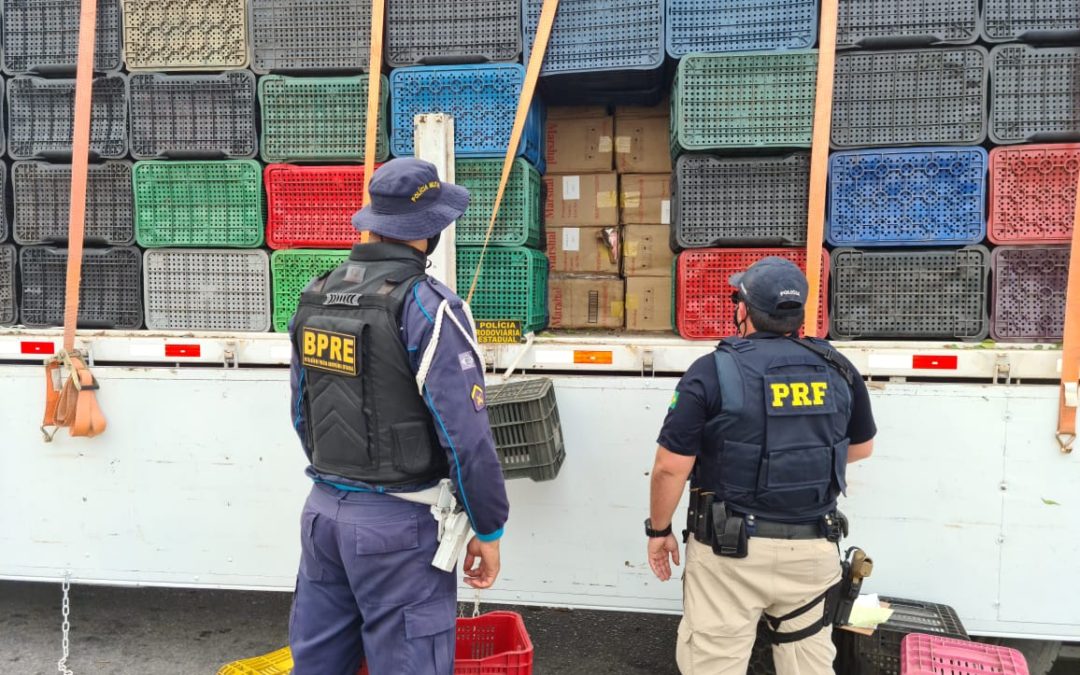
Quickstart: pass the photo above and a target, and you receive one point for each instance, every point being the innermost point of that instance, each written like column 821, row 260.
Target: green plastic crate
column 318, row 118
column 290, row 272
column 729, row 101
column 512, row 285
column 200, row 204
column 520, row 213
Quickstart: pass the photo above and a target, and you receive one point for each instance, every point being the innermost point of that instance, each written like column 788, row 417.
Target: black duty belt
column 767, row 529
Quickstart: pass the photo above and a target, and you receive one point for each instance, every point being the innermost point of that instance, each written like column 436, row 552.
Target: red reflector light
column 919, row 362
column 183, row 350
column 37, row 347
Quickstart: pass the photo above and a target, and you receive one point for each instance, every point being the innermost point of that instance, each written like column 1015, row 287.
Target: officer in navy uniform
column 388, row 398
column 764, row 427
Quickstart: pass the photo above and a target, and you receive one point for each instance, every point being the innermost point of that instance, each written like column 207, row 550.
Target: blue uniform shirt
column 454, row 393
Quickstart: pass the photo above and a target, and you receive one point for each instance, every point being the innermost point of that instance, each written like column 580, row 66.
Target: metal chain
column 476, row 604
column 65, row 625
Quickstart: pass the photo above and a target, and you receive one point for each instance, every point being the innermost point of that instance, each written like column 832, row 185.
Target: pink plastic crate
column 1033, row 193
column 933, row 655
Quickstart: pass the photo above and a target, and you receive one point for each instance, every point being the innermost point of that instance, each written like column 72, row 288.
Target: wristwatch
column 656, row 534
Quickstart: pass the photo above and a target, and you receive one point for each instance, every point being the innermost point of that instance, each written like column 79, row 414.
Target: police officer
column 388, row 397
column 764, row 427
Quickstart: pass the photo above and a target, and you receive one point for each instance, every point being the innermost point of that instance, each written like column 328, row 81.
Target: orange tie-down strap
column 73, row 404
column 1070, row 347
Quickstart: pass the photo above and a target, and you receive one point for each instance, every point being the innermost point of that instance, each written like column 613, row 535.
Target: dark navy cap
column 774, row 285
column 409, row 202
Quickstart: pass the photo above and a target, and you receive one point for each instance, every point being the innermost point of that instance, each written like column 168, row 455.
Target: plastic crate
column 907, row 23
column 291, row 271
column 309, row 35
column 9, row 311
column 1030, row 21
column 42, row 193
column 109, row 295
column 934, row 655
column 599, row 35
column 312, row 206
column 495, row 643
column 879, row 654
column 193, row 116
column 512, row 284
column 1033, row 193
column 524, row 420
column 520, row 215
column 1029, row 285
column 907, row 197
column 464, row 31
column 724, row 101
column 719, row 201
column 198, row 203
column 482, row 100
column 40, row 114
column 1033, row 94
column 42, row 36
column 922, row 294
column 712, row 26
column 319, row 118
column 207, row 289
column 185, row 34
column 703, row 306
column 910, row 97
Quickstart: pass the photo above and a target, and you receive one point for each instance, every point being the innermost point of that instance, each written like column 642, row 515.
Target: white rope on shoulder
column 429, row 353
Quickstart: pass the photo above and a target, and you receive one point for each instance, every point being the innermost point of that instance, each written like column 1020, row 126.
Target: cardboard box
column 579, row 140
column 645, row 198
column 646, row 251
column 584, row 249
column 581, row 200
column 643, row 139
column 648, row 303
column 584, row 301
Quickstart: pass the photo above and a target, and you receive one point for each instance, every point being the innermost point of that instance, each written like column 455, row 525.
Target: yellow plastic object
column 274, row 663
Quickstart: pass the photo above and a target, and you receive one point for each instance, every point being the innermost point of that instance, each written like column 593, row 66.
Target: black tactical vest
column 778, row 450
column 366, row 419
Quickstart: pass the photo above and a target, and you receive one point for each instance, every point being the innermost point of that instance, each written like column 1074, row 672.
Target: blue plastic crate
column 481, row 98
column 712, row 26
column 907, row 197
column 592, row 35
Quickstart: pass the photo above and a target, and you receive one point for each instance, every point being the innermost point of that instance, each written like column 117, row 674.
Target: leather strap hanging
column 1070, row 348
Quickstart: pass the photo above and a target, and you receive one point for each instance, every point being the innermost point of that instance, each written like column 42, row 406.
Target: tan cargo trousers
column 723, row 599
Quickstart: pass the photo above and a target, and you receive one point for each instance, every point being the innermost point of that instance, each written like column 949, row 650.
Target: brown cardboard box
column 581, row 200
column 584, row 301
column 648, row 303
column 584, row 249
column 579, row 140
column 645, row 198
column 646, row 251
column 642, row 140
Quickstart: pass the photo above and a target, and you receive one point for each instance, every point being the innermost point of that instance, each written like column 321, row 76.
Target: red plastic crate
column 1033, row 193
column 312, row 206
column 935, row 655
column 703, row 295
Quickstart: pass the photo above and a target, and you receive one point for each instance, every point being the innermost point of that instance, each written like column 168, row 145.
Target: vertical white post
column 433, row 135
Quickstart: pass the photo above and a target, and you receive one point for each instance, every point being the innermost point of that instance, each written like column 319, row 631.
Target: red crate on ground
column 935, row 655
column 703, row 306
column 1033, row 193
column 312, row 206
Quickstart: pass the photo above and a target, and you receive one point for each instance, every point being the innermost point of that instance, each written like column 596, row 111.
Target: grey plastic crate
column 207, row 289
column 41, row 112
column 42, row 36
column 9, row 312
column 193, row 116
column 1033, row 94
column 3, row 201
column 41, row 193
column 185, row 34
column 906, row 23
column 924, row 293
column 109, row 295
column 524, row 420
column 910, row 97
column 1030, row 21
column 309, row 35
column 419, row 32
column 1029, row 284
column 719, row 201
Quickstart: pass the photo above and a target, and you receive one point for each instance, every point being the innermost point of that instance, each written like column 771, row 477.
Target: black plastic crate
column 41, row 112
column 419, row 32
column 3, row 201
column 644, row 88
column 879, row 654
column 309, row 35
column 193, row 116
column 906, row 23
column 923, row 294
column 8, row 306
column 1030, row 21
column 910, row 97
column 109, row 295
column 1029, row 285
column 42, row 36
column 41, row 193
column 719, row 201
column 525, row 423
column 1033, row 94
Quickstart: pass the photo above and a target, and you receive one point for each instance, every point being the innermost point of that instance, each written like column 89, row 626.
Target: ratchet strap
column 69, row 387
column 1070, row 347
column 819, row 162
column 528, row 88
column 378, row 13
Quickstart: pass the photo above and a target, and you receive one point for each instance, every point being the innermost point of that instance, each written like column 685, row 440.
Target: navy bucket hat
column 773, row 285
column 409, row 202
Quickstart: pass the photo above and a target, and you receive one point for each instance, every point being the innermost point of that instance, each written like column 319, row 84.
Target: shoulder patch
column 674, row 401
column 477, row 396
